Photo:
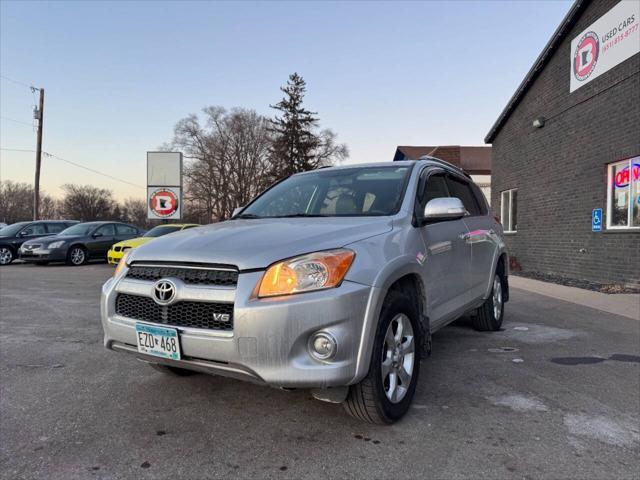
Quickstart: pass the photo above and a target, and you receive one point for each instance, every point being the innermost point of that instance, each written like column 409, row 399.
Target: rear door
column 447, row 257
column 481, row 238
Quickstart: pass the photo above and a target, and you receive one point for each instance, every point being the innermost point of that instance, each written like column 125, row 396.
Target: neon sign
column 623, row 176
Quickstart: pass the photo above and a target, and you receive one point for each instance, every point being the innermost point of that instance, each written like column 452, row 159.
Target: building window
column 623, row 194
column 509, row 210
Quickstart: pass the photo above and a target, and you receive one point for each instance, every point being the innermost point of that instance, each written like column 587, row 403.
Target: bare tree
column 86, row 202
column 227, row 160
column 16, row 203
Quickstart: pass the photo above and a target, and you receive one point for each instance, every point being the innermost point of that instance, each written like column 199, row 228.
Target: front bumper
column 114, row 257
column 269, row 341
column 43, row 254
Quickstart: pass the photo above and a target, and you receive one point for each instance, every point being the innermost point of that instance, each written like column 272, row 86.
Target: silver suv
column 332, row 280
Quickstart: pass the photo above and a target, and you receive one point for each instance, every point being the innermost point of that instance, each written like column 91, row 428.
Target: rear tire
column 179, row 372
column 488, row 317
column 385, row 394
column 77, row 256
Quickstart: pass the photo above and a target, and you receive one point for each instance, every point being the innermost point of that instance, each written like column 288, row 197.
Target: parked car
column 332, row 280
column 117, row 250
column 78, row 244
column 14, row 235
column 2, row 225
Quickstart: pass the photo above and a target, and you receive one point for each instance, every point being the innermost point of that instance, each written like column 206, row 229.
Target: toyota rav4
column 332, row 280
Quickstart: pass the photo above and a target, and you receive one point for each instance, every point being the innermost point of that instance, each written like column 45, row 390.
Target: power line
column 92, row 170
column 17, row 82
column 17, row 121
column 17, row 150
column 50, row 155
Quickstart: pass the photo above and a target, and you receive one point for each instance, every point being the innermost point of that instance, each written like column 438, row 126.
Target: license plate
column 158, row 341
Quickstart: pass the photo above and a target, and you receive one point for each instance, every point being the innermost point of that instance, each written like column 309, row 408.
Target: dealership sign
column 608, row 41
column 164, row 185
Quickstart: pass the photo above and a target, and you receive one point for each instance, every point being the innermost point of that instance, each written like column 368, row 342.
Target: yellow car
column 117, row 250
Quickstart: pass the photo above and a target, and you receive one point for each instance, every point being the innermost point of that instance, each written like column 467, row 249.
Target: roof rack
column 445, row 163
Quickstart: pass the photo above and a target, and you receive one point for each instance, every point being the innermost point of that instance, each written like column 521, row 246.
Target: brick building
column 568, row 143
column 475, row 160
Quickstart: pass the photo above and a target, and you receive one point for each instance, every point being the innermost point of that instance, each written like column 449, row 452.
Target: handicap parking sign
column 596, row 220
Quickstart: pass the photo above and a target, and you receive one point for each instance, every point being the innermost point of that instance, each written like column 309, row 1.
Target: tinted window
column 436, row 187
column 462, row 190
column 55, row 227
column 126, row 230
column 107, row 230
column 480, row 199
column 35, row 229
column 160, row 230
column 13, row 229
column 79, row 229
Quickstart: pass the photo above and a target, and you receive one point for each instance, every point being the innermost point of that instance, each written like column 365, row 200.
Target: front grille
column 180, row 314
column 33, row 246
column 190, row 276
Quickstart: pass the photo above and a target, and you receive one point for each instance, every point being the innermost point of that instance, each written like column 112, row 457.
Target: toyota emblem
column 164, row 291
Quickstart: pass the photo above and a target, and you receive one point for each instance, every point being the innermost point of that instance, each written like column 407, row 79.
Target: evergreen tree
column 294, row 141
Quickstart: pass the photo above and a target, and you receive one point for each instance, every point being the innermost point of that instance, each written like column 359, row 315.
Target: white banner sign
column 608, row 41
column 164, row 203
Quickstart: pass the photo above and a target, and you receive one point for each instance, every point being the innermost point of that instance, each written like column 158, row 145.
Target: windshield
column 365, row 191
column 79, row 229
column 13, row 229
column 159, row 231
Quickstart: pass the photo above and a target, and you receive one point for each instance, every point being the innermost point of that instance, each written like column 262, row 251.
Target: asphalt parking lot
column 555, row 394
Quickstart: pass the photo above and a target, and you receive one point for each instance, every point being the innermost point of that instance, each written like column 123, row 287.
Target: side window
column 35, row 229
column 126, row 230
column 107, row 230
column 481, row 199
column 462, row 190
column 55, row 227
column 436, row 187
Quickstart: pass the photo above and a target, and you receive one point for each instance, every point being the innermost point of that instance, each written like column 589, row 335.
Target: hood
column 257, row 243
column 53, row 238
column 133, row 242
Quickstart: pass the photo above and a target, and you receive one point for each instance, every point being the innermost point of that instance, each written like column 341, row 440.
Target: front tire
column 385, row 394
column 6, row 255
column 488, row 317
column 77, row 256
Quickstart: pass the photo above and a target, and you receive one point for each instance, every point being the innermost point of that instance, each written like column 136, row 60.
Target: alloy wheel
column 77, row 256
column 398, row 357
column 497, row 297
column 6, row 256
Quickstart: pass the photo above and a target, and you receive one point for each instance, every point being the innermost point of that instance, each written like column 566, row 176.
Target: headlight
column 314, row 271
column 57, row 244
column 121, row 264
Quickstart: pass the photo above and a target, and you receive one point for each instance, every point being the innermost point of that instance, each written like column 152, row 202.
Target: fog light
column 323, row 346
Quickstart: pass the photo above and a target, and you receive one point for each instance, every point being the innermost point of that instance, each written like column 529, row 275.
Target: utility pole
column 36, row 187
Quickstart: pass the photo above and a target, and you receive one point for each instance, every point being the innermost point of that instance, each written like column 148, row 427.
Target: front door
column 101, row 240
column 447, row 258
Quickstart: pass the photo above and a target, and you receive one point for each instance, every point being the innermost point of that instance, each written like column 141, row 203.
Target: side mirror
column 236, row 211
column 445, row 208
column 23, row 233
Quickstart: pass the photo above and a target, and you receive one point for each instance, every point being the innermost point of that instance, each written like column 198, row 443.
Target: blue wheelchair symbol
column 596, row 220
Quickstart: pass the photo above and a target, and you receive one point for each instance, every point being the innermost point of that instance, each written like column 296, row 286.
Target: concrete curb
column 626, row 305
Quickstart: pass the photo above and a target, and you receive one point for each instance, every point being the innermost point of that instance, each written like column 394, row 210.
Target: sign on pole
column 164, row 185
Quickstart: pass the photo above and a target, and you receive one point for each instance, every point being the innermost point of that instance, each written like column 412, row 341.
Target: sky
column 119, row 75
